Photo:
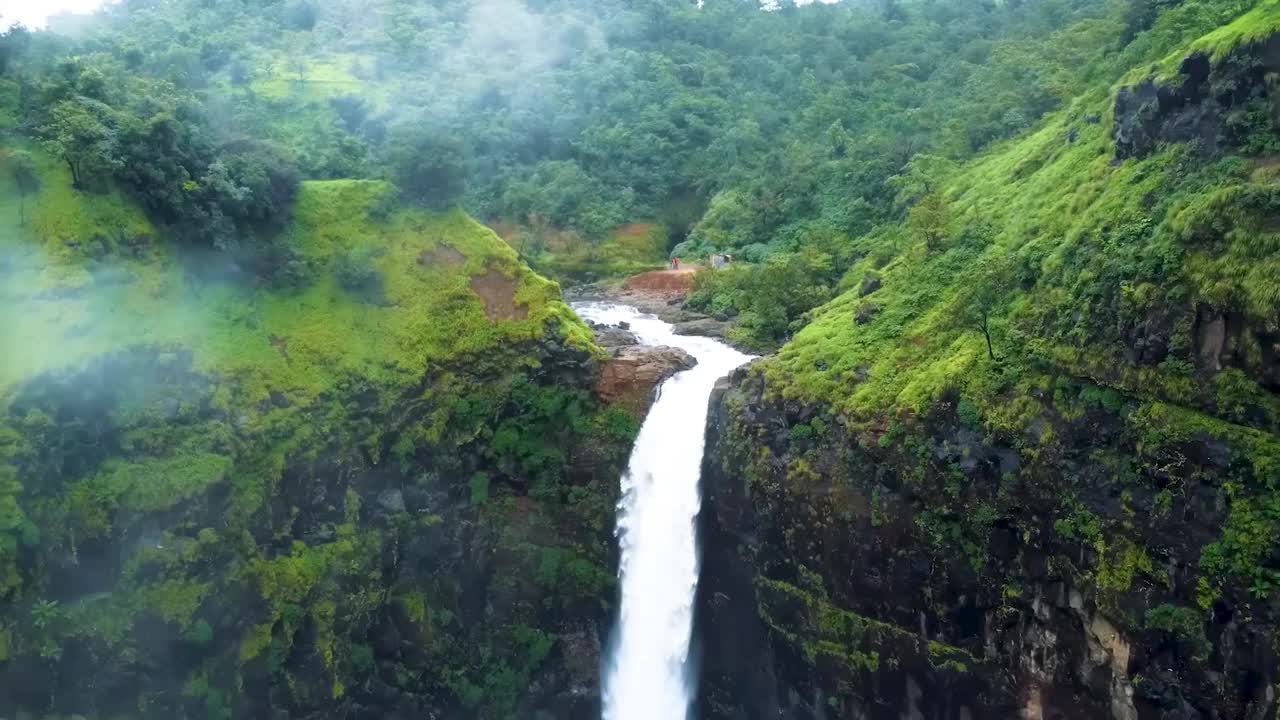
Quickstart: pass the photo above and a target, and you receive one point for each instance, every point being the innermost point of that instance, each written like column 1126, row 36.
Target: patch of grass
column 297, row 344
column 322, row 77
column 628, row 250
column 1256, row 25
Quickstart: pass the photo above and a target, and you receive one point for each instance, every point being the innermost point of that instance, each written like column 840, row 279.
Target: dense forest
column 776, row 134
column 280, row 413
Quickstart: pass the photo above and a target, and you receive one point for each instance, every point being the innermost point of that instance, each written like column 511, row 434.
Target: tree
column 921, row 175
column 929, row 219
column 298, row 47
column 13, row 44
column 77, row 135
column 26, row 180
column 429, row 167
column 980, row 294
column 301, row 15
column 297, row 64
column 351, row 110
column 239, row 72
column 267, row 181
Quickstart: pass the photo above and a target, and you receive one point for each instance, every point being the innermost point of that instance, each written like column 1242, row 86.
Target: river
column 648, row 674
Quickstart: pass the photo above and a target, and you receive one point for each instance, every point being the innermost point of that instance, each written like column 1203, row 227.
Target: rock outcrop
column 633, row 373
column 708, row 327
column 1205, row 104
column 313, row 510
column 612, row 336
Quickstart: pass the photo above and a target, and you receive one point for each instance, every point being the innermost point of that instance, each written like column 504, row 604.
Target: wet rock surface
column 404, row 555
column 1199, row 106
column 612, row 336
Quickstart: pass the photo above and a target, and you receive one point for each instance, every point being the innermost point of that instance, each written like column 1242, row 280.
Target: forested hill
column 736, row 128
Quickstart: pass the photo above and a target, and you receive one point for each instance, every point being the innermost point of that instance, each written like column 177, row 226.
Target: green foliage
column 429, row 166
column 1121, row 561
column 819, row 629
column 768, row 299
column 200, row 633
column 1184, row 625
column 78, row 134
column 154, row 142
column 820, row 145
column 930, row 219
column 562, row 194
column 357, row 273
column 25, row 180
column 479, row 489
column 631, row 113
column 1247, row 546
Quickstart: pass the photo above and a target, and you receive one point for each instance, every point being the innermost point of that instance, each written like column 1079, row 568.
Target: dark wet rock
column 612, row 336
column 391, row 500
column 821, row 596
column 401, row 562
column 866, row 313
column 869, row 284
column 1197, row 105
column 707, row 327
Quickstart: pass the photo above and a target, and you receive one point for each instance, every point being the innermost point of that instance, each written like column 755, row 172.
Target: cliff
column 293, row 481
column 1029, row 472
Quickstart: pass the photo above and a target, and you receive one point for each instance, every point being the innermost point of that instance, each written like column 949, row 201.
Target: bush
column 769, row 298
column 429, row 167
column 357, row 275
column 1184, row 625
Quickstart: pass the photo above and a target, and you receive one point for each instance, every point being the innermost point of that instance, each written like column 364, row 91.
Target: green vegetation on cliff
column 258, row 476
column 1061, row 265
column 1041, row 402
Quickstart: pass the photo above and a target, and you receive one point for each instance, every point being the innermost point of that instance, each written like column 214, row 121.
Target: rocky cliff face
column 1214, row 105
column 939, row 575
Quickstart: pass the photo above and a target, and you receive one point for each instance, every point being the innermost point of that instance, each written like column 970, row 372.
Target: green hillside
column 214, row 491
column 1046, row 399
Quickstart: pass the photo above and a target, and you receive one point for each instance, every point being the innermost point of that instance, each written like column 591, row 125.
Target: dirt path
column 674, row 282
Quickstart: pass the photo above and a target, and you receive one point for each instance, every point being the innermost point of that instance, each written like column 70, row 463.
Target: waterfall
column 647, row 675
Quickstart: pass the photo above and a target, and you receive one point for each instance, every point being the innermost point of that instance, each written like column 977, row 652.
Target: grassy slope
column 628, row 250
column 68, row 308
column 1095, row 249
column 270, row 354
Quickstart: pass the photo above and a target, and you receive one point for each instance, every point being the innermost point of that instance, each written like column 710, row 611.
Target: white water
column 647, row 675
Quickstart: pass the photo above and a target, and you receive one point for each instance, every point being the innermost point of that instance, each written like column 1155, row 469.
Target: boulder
column 870, row 284
column 613, row 336
column 708, row 327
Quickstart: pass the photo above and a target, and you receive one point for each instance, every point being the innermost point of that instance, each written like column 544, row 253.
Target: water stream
column 647, row 675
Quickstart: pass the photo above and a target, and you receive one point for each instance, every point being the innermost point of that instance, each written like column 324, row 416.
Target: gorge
column 341, row 376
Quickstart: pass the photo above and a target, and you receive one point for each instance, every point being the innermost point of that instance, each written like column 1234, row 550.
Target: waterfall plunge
column 647, row 675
